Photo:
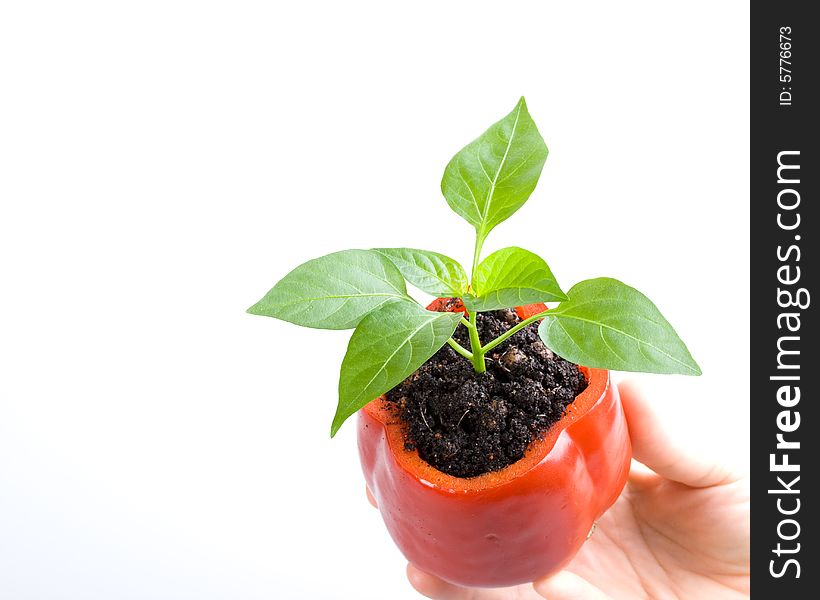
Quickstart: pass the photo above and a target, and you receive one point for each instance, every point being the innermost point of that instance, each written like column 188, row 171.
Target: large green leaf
column 490, row 178
column 388, row 346
column 334, row 291
column 512, row 277
column 606, row 324
column 431, row 272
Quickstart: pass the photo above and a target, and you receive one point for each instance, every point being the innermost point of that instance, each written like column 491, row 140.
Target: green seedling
column 600, row 323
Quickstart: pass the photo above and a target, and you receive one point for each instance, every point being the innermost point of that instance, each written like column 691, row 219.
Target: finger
column 654, row 447
column 433, row 587
column 370, row 497
column 438, row 589
column 568, row 586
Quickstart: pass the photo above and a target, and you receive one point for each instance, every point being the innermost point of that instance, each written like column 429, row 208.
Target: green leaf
column 490, row 178
column 431, row 272
column 606, row 324
column 335, row 291
column 512, row 277
column 388, row 346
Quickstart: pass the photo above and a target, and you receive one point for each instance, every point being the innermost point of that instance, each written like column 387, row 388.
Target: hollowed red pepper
column 509, row 526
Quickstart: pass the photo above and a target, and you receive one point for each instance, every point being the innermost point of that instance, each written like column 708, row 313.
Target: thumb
column 653, row 446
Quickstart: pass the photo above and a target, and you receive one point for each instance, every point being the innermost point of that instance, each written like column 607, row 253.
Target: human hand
column 679, row 530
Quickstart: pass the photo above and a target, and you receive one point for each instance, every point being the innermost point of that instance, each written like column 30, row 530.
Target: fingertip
column 633, row 397
column 424, row 583
column 416, row 577
column 370, row 497
column 644, row 430
column 567, row 586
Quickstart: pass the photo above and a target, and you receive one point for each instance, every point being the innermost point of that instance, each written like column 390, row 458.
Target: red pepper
column 510, row 526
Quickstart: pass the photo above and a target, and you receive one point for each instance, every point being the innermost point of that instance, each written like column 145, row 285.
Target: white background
column 162, row 164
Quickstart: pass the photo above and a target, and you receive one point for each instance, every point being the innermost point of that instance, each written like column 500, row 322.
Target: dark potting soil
column 465, row 423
